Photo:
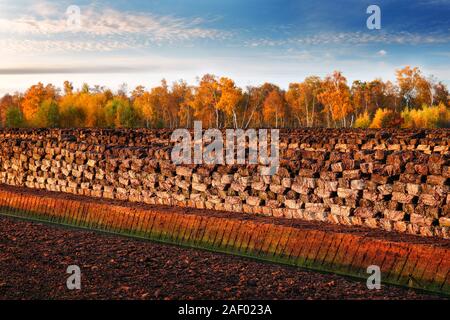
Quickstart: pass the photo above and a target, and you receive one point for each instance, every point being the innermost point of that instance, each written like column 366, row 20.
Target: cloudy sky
column 252, row 41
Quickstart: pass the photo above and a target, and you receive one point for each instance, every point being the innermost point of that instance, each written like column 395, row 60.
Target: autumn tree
column 248, row 108
column 119, row 113
column 359, row 95
column 85, row 108
column 363, row 121
column 376, row 92
column 441, row 94
column 161, row 106
column 71, row 114
column 273, row 109
column 379, row 118
column 414, row 100
column 425, row 94
column 85, row 88
column 5, row 103
column 68, row 88
column 34, row 97
column 302, row 99
column 9, row 102
column 14, row 117
column 141, row 101
column 47, row 115
column 426, row 117
column 169, row 105
column 93, row 106
column 336, row 98
column 313, row 87
column 230, row 97
column 126, row 115
column 206, row 98
column 183, row 96
column 294, row 97
column 391, row 96
column 253, row 105
column 414, row 88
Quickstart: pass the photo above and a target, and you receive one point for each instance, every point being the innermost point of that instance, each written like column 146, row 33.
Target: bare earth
column 34, row 258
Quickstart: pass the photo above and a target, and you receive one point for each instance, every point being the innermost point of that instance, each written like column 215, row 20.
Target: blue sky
column 279, row 41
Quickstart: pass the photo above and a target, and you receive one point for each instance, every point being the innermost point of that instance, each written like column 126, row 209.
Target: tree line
column 414, row 100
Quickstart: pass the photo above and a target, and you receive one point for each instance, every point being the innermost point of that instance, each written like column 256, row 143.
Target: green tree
column 127, row 116
column 14, row 117
column 47, row 115
column 119, row 113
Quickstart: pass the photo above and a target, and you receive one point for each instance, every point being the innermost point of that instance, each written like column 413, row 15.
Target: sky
column 280, row 41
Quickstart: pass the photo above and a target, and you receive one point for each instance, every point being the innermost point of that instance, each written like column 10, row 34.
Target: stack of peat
column 395, row 180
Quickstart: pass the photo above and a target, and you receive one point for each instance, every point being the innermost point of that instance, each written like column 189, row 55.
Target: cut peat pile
column 395, row 180
column 406, row 260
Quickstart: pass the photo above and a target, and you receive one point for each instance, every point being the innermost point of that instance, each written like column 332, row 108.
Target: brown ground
column 34, row 258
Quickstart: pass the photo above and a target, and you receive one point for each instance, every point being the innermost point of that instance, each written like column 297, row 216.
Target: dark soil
column 34, row 258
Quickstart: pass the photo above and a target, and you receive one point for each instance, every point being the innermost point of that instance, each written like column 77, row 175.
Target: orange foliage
column 219, row 102
column 273, row 111
column 33, row 98
column 336, row 97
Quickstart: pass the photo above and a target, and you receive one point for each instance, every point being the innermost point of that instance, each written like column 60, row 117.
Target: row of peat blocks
column 396, row 180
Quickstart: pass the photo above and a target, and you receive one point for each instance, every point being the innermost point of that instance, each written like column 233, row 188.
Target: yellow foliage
column 33, row 98
column 336, row 97
column 380, row 115
column 426, row 117
column 219, row 102
column 229, row 99
column 363, row 121
column 273, row 108
column 205, row 101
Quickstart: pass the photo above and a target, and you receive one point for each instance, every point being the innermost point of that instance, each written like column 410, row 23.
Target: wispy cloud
column 434, row 2
column 109, row 22
column 105, row 29
column 44, row 9
column 354, row 38
column 12, row 45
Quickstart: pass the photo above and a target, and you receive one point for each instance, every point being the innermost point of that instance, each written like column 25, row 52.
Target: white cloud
column 382, row 53
column 112, row 22
column 12, row 46
column 434, row 2
column 44, row 9
column 101, row 30
column 354, row 38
